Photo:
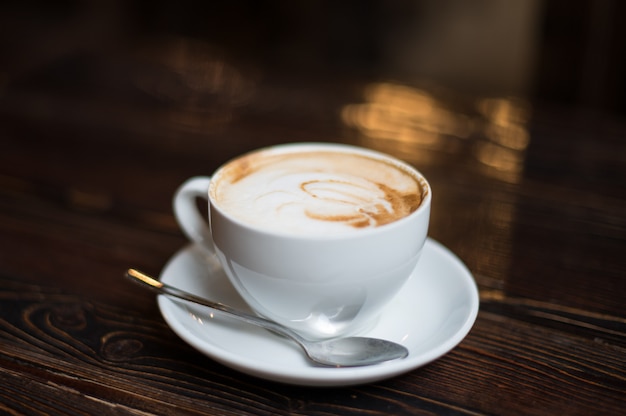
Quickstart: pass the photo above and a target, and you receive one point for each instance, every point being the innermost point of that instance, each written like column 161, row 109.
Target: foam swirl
column 316, row 192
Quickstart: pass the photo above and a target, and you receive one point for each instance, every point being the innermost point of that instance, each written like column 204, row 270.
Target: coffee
column 317, row 237
column 314, row 191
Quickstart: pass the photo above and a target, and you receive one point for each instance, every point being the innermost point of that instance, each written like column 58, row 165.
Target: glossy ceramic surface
column 432, row 313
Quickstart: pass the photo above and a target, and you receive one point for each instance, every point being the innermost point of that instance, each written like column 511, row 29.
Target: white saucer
column 432, row 314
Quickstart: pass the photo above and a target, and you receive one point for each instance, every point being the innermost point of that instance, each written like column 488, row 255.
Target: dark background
column 567, row 52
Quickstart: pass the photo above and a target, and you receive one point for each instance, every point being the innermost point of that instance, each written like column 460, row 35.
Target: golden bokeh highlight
column 493, row 131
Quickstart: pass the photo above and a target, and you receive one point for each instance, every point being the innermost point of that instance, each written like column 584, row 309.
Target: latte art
column 355, row 204
column 316, row 192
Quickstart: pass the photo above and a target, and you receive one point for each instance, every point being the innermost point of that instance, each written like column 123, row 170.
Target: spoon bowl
column 336, row 352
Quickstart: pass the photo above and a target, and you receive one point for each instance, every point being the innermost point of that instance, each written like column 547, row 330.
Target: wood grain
column 77, row 339
column 110, row 358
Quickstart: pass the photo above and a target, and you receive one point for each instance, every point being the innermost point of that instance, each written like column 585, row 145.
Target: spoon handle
column 165, row 289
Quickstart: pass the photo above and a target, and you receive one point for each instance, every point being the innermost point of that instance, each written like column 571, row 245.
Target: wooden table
column 531, row 197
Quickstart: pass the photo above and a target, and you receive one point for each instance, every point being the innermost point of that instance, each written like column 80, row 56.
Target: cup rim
column 286, row 147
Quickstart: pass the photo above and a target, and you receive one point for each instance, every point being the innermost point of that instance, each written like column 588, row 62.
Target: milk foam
column 315, row 192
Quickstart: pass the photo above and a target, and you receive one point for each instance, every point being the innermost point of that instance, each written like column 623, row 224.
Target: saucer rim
column 329, row 376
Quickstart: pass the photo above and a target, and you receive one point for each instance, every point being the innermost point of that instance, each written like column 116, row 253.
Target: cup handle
column 195, row 227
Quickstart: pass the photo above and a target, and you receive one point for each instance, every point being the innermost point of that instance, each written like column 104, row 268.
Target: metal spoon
column 338, row 352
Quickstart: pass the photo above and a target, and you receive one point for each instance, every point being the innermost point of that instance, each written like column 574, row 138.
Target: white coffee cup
column 299, row 264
